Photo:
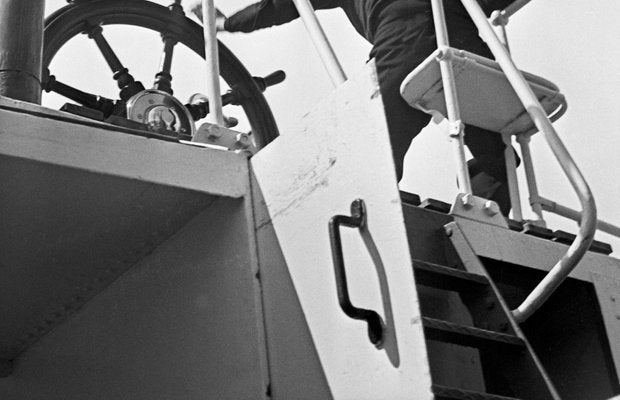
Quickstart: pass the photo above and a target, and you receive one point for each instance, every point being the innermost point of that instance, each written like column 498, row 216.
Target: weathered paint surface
column 341, row 152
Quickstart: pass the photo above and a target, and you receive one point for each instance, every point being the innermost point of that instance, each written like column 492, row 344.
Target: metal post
column 216, row 116
column 511, row 174
column 21, row 48
column 452, row 105
column 530, row 177
column 326, row 52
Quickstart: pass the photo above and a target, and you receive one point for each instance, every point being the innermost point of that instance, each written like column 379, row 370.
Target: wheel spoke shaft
column 86, row 99
column 163, row 79
column 125, row 81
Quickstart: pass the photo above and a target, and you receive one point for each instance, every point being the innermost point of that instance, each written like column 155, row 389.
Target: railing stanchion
column 530, row 176
column 511, row 174
column 324, row 48
column 452, row 105
column 214, row 95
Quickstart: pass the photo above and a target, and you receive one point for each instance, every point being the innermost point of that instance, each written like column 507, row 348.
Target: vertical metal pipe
column 327, row 54
column 454, row 114
column 530, row 175
column 511, row 173
column 216, row 116
column 21, row 48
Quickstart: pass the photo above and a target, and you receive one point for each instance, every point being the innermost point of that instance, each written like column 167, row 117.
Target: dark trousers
column 401, row 43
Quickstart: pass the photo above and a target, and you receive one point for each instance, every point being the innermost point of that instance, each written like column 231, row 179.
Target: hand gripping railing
column 577, row 250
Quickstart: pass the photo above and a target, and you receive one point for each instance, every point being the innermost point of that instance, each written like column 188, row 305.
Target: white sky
column 572, row 43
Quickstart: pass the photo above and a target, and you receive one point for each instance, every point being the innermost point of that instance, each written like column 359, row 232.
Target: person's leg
column 400, row 45
column 488, row 167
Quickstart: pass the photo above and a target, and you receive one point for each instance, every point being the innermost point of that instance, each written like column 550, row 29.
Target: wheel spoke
column 86, row 99
column 126, row 82
column 163, row 79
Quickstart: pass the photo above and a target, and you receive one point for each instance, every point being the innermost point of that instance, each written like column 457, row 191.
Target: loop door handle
column 356, row 220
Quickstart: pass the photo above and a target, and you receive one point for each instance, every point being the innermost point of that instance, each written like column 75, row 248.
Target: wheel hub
column 161, row 112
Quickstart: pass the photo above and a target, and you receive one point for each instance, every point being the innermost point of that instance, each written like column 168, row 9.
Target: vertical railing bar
column 511, row 174
column 452, row 106
column 321, row 43
column 588, row 224
column 530, row 175
column 214, row 94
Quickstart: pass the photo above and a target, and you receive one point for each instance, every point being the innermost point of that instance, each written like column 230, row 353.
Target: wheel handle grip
column 272, row 79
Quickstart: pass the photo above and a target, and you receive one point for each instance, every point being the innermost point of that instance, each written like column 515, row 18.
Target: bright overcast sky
column 572, row 43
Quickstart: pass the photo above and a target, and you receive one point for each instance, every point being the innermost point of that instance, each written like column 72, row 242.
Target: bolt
column 455, row 128
column 449, row 232
column 491, row 208
column 243, row 141
column 214, row 132
column 613, row 298
column 467, row 201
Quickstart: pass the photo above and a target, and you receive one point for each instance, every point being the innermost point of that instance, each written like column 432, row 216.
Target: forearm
column 269, row 13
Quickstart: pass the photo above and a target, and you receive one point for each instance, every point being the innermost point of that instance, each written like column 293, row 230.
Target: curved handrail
column 577, row 250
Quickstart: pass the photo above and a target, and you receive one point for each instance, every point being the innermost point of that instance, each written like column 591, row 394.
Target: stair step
column 448, row 332
column 449, row 393
column 446, row 278
column 436, row 205
column 569, row 238
column 410, row 198
column 538, row 231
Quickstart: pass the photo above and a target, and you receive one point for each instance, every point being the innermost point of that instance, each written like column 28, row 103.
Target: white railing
column 457, row 129
column 323, row 47
column 216, row 115
column 580, row 246
column 499, row 48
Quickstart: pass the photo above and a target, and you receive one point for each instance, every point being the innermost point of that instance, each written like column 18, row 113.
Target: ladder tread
column 450, row 393
column 448, row 332
column 441, row 277
column 436, row 205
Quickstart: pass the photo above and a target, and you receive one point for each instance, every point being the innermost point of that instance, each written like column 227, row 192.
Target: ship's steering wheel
column 155, row 109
